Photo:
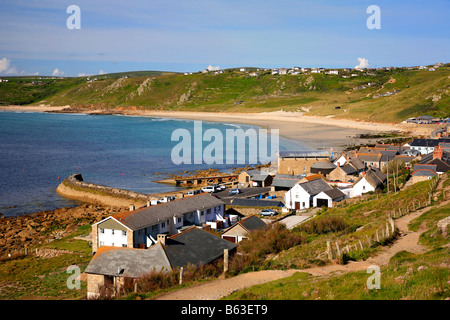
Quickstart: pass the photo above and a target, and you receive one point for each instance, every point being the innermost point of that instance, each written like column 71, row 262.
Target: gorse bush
column 323, row 225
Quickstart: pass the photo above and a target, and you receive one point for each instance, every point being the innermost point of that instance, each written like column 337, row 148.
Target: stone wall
column 75, row 188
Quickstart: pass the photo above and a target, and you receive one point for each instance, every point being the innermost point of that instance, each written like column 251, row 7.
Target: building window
column 124, row 233
column 102, row 243
column 208, row 211
column 179, row 220
column 102, row 230
column 163, row 225
column 155, row 227
column 112, row 231
column 124, row 245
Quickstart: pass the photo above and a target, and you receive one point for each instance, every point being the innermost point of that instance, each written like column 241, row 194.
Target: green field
column 421, row 92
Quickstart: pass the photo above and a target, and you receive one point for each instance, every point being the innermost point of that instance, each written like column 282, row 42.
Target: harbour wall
column 75, row 188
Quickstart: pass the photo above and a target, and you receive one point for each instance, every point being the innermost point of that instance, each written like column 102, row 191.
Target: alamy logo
column 74, row 20
column 190, row 149
column 374, row 281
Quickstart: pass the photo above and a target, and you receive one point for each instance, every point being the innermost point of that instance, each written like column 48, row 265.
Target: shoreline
column 313, row 132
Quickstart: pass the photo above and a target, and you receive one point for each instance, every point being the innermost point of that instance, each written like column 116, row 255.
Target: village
column 209, row 221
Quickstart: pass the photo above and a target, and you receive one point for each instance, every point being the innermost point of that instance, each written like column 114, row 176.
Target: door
column 322, row 203
column 297, row 206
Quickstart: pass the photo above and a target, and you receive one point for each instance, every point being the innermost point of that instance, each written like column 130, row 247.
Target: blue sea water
column 39, row 150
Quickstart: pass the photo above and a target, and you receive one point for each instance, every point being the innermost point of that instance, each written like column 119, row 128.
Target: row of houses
column 163, row 238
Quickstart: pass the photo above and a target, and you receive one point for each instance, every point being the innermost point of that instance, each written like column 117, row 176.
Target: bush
column 323, row 225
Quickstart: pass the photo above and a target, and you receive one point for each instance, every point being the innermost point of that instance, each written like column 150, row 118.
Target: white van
column 209, row 189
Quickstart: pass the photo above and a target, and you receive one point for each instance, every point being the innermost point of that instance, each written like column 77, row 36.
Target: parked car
column 192, row 192
column 209, row 189
column 220, row 187
column 268, row 212
column 234, row 191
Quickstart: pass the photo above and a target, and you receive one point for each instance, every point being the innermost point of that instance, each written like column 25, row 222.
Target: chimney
column 132, row 207
column 438, row 151
column 161, row 238
column 338, row 164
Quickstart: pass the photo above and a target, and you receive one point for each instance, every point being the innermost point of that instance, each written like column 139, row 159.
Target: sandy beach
column 310, row 131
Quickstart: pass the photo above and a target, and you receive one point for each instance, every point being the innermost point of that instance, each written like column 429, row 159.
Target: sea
column 39, row 150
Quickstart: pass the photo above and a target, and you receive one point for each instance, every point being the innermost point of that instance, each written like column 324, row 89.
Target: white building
column 371, row 180
column 300, row 196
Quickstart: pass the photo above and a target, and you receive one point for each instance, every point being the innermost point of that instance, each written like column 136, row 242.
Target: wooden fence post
column 330, row 252
column 368, row 241
column 360, row 244
column 338, row 250
column 225, row 260
column 378, row 237
column 181, row 275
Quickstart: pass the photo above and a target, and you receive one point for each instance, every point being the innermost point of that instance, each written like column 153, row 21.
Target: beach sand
column 310, row 131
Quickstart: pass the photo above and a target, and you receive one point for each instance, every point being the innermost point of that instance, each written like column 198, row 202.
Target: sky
column 190, row 35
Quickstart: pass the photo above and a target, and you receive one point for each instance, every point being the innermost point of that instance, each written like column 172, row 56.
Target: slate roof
column 148, row 216
column 195, row 246
column 424, row 173
column 286, row 180
column 128, row 262
column 357, row 164
column 369, row 157
column 256, row 203
column 260, row 177
column 425, row 166
column 316, row 186
column 443, row 165
column 388, row 155
column 252, row 222
column 304, row 154
column 348, row 169
column 334, row 193
column 427, row 142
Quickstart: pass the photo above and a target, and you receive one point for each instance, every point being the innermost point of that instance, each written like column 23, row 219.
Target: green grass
column 408, row 276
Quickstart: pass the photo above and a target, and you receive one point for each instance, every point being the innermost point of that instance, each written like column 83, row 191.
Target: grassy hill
column 419, row 92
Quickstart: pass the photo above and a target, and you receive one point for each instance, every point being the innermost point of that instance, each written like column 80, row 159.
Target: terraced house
column 140, row 228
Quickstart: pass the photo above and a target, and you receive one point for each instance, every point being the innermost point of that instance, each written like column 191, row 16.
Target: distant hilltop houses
column 427, row 119
column 343, row 72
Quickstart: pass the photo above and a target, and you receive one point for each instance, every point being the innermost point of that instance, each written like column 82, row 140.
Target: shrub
column 323, row 225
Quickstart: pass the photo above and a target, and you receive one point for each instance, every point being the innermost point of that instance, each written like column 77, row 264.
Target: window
column 124, row 245
column 202, row 213
column 102, row 243
column 163, row 225
column 112, row 231
column 155, row 227
column 124, row 233
column 179, row 220
column 208, row 211
column 102, row 230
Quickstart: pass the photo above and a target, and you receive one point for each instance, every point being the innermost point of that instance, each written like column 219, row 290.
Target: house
column 139, row 228
column 371, row 180
column 438, row 157
column 299, row 162
column 423, row 172
column 242, row 229
column 301, row 195
column 326, row 198
column 112, row 266
column 343, row 173
column 285, row 181
column 426, row 146
column 370, row 159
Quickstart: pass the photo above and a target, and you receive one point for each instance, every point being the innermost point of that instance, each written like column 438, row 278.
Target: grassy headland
column 420, row 92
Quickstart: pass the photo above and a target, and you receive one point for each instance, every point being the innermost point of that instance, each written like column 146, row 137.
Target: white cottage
column 371, row 180
column 300, row 196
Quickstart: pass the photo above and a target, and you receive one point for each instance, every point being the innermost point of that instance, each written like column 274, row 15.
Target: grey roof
column 286, row 180
column 334, row 193
column 348, row 169
column 316, row 186
column 196, row 247
column 323, row 164
column 388, row 155
column 356, row 163
column 425, row 166
column 252, row 223
column 256, row 203
column 260, row 177
column 304, row 154
column 424, row 173
column 127, row 262
column 427, row 142
column 148, row 216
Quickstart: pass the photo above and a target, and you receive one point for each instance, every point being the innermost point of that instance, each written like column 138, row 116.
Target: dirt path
column 217, row 289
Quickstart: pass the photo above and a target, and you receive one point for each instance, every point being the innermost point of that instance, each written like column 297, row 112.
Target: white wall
column 298, row 194
column 362, row 186
column 111, row 237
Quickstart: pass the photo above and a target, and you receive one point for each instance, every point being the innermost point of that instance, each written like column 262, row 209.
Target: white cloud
column 211, row 68
column 6, row 68
column 363, row 63
column 57, row 73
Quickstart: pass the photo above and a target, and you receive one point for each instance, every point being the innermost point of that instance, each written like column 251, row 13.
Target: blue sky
column 189, row 35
